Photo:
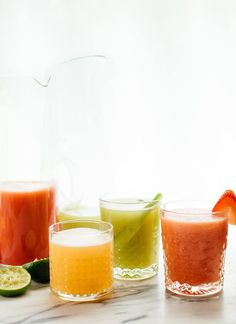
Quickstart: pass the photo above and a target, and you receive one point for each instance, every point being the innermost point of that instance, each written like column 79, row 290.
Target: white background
column 171, row 126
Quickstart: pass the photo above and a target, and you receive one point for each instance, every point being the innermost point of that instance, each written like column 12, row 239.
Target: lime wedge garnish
column 14, row 281
column 39, row 270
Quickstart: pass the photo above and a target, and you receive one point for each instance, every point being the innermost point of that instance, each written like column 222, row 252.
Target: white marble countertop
column 131, row 302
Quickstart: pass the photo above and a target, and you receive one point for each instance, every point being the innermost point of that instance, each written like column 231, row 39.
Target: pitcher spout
column 44, row 82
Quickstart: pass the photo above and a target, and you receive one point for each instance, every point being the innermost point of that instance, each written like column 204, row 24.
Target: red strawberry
column 227, row 202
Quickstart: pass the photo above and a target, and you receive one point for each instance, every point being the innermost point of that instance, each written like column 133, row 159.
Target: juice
column 26, row 211
column 136, row 238
column 79, row 212
column 81, row 262
column 194, row 246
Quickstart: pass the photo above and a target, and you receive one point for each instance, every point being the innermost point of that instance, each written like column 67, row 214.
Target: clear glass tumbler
column 194, row 241
column 76, row 211
column 81, row 259
column 136, row 234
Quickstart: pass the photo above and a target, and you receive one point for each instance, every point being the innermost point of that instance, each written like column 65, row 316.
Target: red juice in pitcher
column 27, row 209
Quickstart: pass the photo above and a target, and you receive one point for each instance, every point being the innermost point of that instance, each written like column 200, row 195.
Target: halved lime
column 39, row 270
column 14, row 281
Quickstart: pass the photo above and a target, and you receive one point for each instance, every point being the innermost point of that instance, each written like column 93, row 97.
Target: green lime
column 14, row 281
column 39, row 270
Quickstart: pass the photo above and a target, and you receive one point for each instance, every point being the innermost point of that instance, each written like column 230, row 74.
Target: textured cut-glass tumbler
column 194, row 241
column 81, row 259
column 136, row 234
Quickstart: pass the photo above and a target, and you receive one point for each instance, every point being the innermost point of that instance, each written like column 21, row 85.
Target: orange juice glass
column 194, row 241
column 81, row 259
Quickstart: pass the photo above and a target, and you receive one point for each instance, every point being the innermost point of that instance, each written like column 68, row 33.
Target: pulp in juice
column 81, row 261
column 136, row 236
column 194, row 248
column 27, row 209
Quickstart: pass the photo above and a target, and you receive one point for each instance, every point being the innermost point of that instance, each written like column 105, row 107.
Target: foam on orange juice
column 81, row 261
column 194, row 247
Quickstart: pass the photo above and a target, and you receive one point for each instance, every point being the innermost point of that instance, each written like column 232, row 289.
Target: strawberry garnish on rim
column 227, row 202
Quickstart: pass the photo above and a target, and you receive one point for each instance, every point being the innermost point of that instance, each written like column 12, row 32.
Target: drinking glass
column 76, row 211
column 194, row 241
column 136, row 234
column 81, row 259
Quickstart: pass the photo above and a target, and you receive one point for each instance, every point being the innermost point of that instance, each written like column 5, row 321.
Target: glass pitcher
column 75, row 141
column 51, row 135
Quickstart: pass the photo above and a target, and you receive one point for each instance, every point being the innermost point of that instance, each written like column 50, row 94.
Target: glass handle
column 64, row 179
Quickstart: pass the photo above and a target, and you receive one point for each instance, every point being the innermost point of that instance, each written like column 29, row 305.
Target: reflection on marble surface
column 131, row 302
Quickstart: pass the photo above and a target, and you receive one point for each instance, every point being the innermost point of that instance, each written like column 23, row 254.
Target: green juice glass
column 136, row 224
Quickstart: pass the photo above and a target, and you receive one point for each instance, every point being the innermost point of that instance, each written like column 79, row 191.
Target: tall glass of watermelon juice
column 194, row 241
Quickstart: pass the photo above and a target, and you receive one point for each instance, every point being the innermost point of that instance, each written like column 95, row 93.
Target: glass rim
column 109, row 229
column 204, row 213
column 124, row 194
column 43, row 184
